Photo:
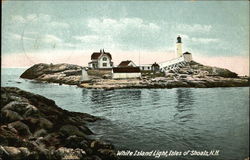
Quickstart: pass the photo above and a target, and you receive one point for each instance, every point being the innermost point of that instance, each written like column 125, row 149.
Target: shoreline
column 164, row 84
column 167, row 85
column 200, row 77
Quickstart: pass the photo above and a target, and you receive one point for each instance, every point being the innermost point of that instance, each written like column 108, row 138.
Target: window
column 142, row 68
column 104, row 64
column 104, row 58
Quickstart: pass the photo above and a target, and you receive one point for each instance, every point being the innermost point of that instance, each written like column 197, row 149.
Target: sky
column 215, row 32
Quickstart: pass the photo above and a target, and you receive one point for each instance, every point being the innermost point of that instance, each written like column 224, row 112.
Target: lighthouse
column 178, row 47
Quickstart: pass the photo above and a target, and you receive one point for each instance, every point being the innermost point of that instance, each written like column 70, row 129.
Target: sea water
column 141, row 121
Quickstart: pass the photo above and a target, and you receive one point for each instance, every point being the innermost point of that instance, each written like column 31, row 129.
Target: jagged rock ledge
column 58, row 73
column 34, row 127
column 192, row 74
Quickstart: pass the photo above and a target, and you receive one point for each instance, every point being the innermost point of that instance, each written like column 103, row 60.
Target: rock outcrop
column 34, row 127
column 174, row 81
column 194, row 68
column 58, row 73
column 192, row 74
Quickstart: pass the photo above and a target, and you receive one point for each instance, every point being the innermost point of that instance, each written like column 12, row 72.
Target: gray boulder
column 22, row 128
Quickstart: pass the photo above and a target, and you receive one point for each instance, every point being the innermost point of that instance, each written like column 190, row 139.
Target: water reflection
column 184, row 105
column 130, row 93
column 104, row 98
column 112, row 103
column 184, row 99
column 85, row 93
column 101, row 98
column 155, row 97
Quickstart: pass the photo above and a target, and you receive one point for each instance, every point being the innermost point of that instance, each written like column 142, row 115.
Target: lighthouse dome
column 178, row 39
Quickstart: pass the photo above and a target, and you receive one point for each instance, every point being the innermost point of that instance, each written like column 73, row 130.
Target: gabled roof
column 96, row 55
column 126, row 69
column 124, row 63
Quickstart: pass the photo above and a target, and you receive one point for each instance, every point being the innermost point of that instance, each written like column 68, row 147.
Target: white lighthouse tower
column 178, row 47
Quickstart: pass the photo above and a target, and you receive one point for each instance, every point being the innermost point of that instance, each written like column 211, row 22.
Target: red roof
column 124, row 63
column 96, row 55
column 126, row 69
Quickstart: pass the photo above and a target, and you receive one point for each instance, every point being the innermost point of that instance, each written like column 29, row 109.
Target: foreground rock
column 34, row 127
column 192, row 74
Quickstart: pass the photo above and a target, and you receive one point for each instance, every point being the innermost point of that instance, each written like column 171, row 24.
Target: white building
column 101, row 60
column 187, row 57
column 126, row 72
column 146, row 67
column 85, row 76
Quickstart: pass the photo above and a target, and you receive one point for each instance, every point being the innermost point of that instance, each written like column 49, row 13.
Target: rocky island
column 193, row 74
column 34, row 127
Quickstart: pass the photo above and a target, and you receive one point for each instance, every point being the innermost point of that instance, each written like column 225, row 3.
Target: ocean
column 157, row 120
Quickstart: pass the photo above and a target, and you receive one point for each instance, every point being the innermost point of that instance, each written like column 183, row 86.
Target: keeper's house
column 126, row 72
column 101, row 60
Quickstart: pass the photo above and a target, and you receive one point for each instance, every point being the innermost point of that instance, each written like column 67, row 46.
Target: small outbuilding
column 85, row 76
column 187, row 57
column 126, row 72
column 155, row 67
column 146, row 67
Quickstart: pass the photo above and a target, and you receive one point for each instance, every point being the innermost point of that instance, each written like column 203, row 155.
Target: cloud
column 18, row 19
column 189, row 39
column 204, row 40
column 87, row 38
column 41, row 28
column 44, row 17
column 31, row 17
column 15, row 36
column 194, row 28
column 195, row 40
column 123, row 33
column 48, row 38
column 184, row 36
column 96, row 41
column 39, row 19
column 118, row 33
column 59, row 24
column 19, row 37
column 112, row 26
column 31, row 33
column 71, row 45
